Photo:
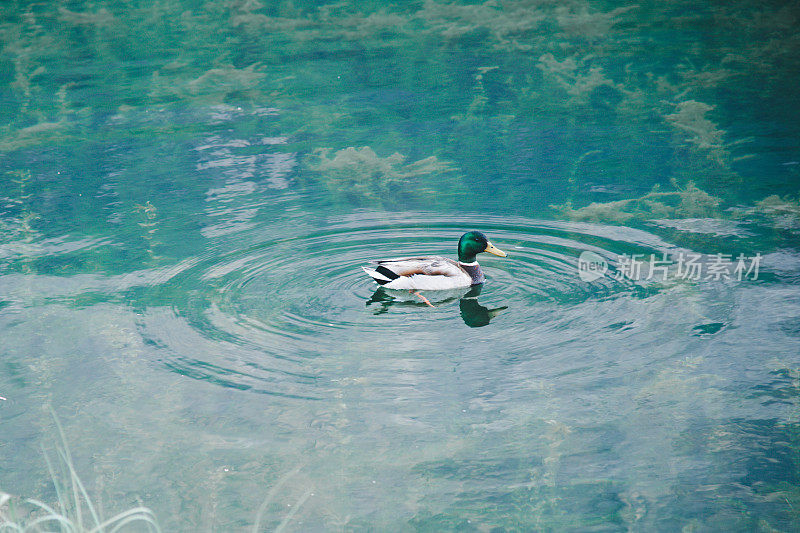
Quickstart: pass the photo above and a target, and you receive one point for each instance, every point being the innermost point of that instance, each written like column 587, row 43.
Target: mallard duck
column 436, row 272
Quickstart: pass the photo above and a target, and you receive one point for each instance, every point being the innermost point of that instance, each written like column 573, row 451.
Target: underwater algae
column 361, row 175
column 689, row 202
column 595, row 57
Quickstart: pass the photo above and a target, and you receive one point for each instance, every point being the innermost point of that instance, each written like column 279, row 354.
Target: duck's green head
column 474, row 242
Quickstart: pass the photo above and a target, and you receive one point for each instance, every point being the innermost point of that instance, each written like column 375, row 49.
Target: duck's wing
column 412, row 266
column 424, row 273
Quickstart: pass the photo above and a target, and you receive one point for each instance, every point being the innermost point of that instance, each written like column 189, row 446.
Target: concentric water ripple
column 274, row 315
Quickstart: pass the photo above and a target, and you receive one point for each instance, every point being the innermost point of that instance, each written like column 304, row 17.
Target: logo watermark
column 591, row 266
column 683, row 265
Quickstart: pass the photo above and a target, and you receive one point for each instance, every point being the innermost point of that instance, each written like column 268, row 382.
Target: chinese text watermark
column 683, row 265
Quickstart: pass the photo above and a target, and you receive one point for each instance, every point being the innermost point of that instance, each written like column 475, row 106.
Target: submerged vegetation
column 74, row 511
column 688, row 202
column 361, row 176
column 562, row 68
column 784, row 212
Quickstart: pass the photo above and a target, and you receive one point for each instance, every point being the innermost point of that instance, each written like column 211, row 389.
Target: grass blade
column 67, row 458
column 271, row 494
column 56, row 484
column 70, row 516
column 65, row 522
column 294, row 510
column 76, row 482
column 131, row 515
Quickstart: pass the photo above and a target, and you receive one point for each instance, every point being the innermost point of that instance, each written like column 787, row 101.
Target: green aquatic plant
column 40, row 133
column 360, row 175
column 548, row 57
column 214, row 82
column 690, row 118
column 511, row 26
column 579, row 78
column 701, row 151
column 74, row 512
column 783, row 211
column 19, row 235
column 101, row 17
column 336, row 22
column 581, row 22
column 686, row 202
column 149, row 225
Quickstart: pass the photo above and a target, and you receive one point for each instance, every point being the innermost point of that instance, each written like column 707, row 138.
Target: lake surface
column 189, row 189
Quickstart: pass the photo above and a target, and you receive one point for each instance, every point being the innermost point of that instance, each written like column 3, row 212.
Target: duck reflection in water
column 473, row 313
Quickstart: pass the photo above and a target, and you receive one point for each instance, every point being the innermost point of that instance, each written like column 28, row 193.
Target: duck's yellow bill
column 492, row 249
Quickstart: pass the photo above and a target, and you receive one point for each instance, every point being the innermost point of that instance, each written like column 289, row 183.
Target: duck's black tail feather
column 380, row 269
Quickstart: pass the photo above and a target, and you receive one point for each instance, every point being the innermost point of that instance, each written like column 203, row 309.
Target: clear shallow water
column 184, row 217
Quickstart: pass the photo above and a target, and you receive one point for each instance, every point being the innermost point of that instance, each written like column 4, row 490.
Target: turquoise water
column 189, row 190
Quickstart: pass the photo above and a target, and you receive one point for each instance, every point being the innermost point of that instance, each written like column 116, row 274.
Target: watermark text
column 661, row 267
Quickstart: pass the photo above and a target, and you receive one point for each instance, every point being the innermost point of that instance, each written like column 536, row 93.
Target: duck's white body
column 425, row 273
column 434, row 272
